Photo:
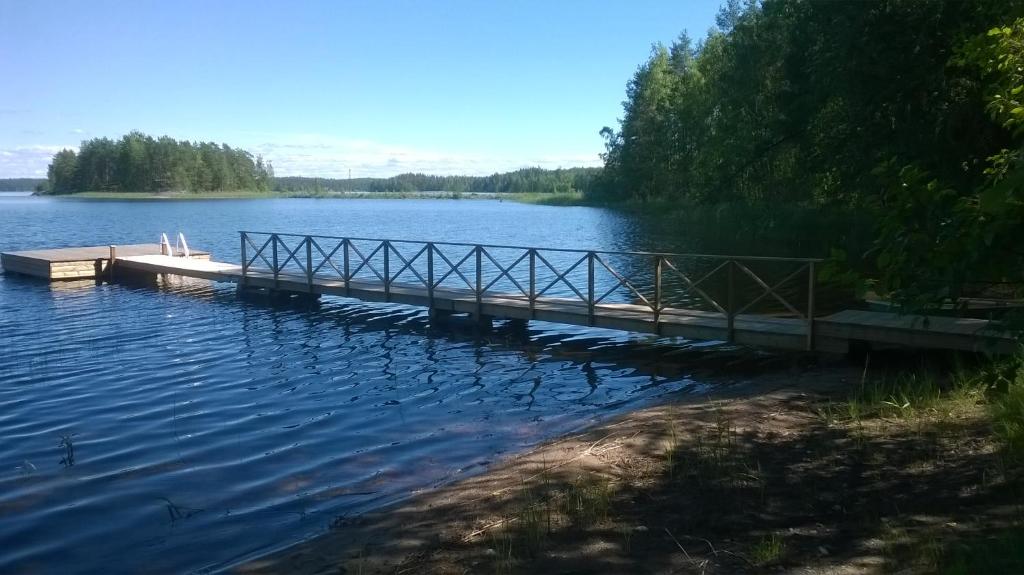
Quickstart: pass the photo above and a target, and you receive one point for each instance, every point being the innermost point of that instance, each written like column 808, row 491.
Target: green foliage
column 799, row 100
column 61, row 173
column 768, row 550
column 939, row 241
column 524, row 181
column 587, row 501
column 139, row 163
column 21, row 184
column 1002, row 553
column 1008, row 414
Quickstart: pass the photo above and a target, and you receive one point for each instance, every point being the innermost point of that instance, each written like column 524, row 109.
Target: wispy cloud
column 332, row 157
column 327, row 156
column 27, row 161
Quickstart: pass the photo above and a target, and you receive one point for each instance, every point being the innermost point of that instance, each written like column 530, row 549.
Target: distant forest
column 21, row 184
column 527, row 180
column 141, row 163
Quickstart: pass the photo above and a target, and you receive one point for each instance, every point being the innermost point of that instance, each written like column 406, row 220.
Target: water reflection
column 207, row 428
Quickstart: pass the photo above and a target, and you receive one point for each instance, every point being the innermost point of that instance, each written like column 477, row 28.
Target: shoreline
column 431, row 521
column 759, row 476
column 529, row 198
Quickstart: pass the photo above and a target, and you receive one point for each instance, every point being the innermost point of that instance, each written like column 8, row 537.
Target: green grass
column 995, row 388
column 1007, row 411
column 551, row 199
column 587, row 501
column 899, row 396
column 768, row 550
column 1003, row 553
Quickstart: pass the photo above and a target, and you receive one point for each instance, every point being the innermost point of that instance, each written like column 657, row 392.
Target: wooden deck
column 738, row 299
column 75, row 263
column 832, row 333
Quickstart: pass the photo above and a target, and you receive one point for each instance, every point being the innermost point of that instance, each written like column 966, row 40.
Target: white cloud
column 332, row 157
column 328, row 156
column 27, row 161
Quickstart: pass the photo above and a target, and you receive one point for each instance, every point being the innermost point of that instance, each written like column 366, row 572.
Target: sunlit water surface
column 199, row 429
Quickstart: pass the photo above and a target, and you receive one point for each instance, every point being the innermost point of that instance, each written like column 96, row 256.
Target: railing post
column 387, row 270
column 430, row 273
column 274, row 240
column 479, row 280
column 731, row 303
column 309, row 262
column 657, row 291
column 811, row 281
column 590, row 288
column 245, row 258
column 533, row 280
column 348, row 275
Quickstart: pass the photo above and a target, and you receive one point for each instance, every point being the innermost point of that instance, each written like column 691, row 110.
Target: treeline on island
column 526, row 180
column 910, row 111
column 140, row 163
column 21, row 184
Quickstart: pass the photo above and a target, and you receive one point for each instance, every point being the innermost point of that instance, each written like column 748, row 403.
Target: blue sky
column 321, row 88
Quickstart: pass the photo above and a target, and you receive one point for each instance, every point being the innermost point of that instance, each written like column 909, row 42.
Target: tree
column 139, row 163
column 939, row 242
column 61, row 173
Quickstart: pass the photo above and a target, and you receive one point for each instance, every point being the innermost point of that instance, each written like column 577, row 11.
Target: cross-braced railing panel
column 657, row 283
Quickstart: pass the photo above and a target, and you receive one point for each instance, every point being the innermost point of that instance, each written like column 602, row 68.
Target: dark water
column 206, row 429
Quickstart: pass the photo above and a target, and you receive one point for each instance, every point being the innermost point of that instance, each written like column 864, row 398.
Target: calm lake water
column 207, row 429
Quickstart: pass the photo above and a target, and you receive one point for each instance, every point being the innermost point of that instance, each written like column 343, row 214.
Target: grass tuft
column 768, row 550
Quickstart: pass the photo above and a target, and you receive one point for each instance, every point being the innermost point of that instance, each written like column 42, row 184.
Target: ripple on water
column 206, row 428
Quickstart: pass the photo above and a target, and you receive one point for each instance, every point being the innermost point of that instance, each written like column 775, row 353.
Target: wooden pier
column 75, row 263
column 757, row 301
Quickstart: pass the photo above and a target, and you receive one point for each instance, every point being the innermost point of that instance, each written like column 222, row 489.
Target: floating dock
column 76, row 263
column 425, row 274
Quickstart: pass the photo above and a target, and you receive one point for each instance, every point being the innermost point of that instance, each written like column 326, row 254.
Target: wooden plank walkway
column 75, row 263
column 831, row 333
column 711, row 297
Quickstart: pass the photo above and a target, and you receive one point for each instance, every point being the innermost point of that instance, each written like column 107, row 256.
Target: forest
column 908, row 110
column 21, row 184
column 140, row 163
column 526, row 180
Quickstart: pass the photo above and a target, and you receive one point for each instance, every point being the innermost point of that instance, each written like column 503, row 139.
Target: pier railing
column 649, row 282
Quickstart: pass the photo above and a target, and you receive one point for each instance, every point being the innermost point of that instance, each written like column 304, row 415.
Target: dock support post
column 533, row 283
column 518, row 326
column 245, row 261
column 309, row 263
column 438, row 316
column 483, row 322
column 590, row 288
column 387, row 271
column 479, row 281
column 273, row 240
column 657, row 295
column 430, row 274
column 110, row 263
column 348, row 274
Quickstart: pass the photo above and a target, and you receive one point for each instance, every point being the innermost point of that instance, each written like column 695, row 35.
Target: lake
column 181, row 429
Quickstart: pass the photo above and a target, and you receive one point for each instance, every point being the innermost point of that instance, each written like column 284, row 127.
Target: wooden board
column 75, row 263
column 833, row 333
